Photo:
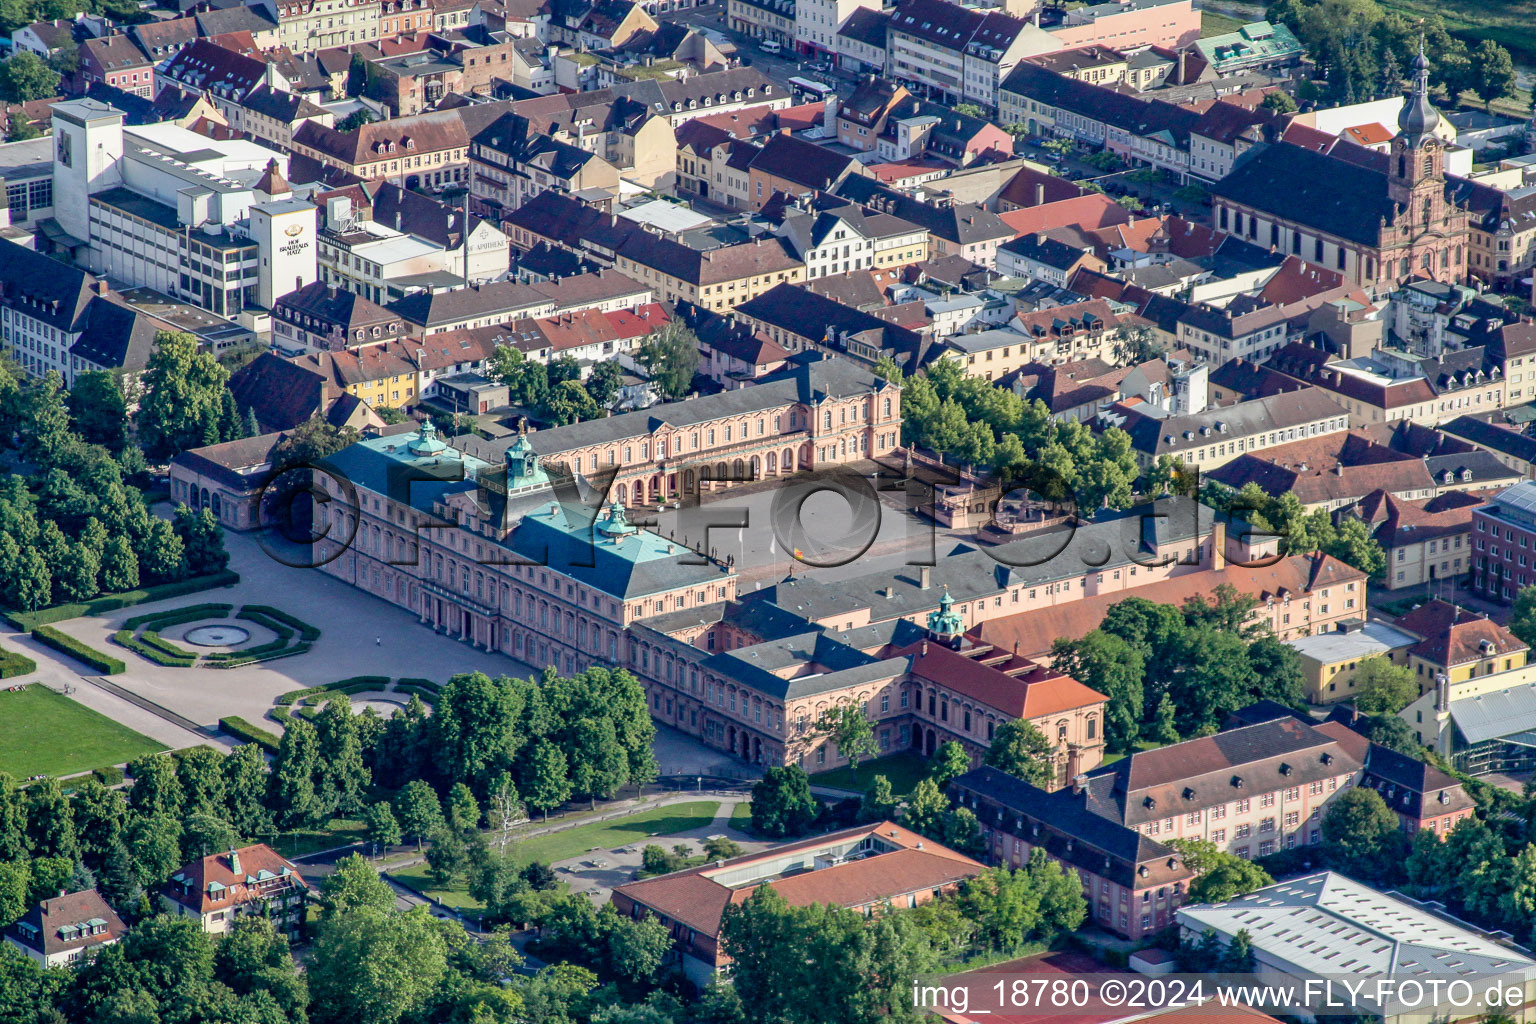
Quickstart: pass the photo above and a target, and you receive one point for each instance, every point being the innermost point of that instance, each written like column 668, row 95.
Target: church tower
column 1416, row 179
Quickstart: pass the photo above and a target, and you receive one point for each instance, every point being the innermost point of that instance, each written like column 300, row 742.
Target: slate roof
column 1068, row 829
column 116, row 336
column 334, row 307
column 961, row 223
column 803, row 163
column 497, row 298
column 800, row 311
column 1342, row 197
column 283, row 394
column 956, row 28
column 237, row 463
column 44, row 288
column 1492, row 437
column 807, row 377
column 1150, row 785
column 1154, row 436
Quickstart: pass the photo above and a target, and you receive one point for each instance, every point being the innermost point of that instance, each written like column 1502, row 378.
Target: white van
column 770, row 46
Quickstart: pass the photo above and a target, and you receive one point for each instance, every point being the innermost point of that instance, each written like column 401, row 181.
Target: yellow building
column 1330, row 661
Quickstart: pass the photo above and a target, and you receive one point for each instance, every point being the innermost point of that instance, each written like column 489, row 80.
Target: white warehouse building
column 211, row 222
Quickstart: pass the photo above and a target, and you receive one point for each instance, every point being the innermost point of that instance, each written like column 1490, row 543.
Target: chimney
column 234, row 861
column 1079, row 782
column 925, row 576
column 1039, row 193
column 101, row 286
column 1219, row 546
column 1039, row 237
column 925, row 654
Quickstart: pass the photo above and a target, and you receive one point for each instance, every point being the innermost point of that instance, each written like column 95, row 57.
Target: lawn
column 572, row 842
column 46, row 733
column 741, row 817
column 1508, row 23
column 340, row 832
column 1214, row 24
column 904, row 771
column 1140, row 746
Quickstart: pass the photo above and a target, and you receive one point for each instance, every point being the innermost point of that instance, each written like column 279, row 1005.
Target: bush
column 66, row 644
column 125, row 638
column 293, row 695
column 309, row 634
column 240, row 729
column 266, row 621
column 111, row 775
column 176, row 616
column 260, row 650
column 357, row 684
column 27, row 621
column 418, row 683
column 14, row 663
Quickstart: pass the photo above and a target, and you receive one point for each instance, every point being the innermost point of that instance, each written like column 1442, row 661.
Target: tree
column 253, row 959
column 1362, row 835
column 548, row 785
column 354, row 885
column 97, row 411
column 568, row 402
column 1392, row 732
column 418, row 809
column 183, row 395
column 357, row 77
column 24, row 77
column 161, row 556
column 1020, row 749
column 291, row 788
column 119, row 566
column 1279, row 102
column 375, row 966
column 383, row 828
column 1382, row 688
column 47, row 440
column 51, row 822
column 1219, row 875
column 503, row 811
column 1493, row 72
column 343, row 776
column 355, row 120
column 846, row 725
column 599, row 764
column 156, row 787
column 202, row 540
column 22, row 130
column 1522, row 617
column 603, row 383
column 463, row 811
column 1115, row 667
column 245, row 784
column 670, row 354
column 926, row 809
column 31, row 584
column 879, row 802
column 950, row 761
column 782, row 804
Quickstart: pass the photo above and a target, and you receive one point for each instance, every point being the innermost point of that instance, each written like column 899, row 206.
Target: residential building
column 1050, row 337
column 817, row 22
column 1509, row 445
column 1298, row 927
column 800, row 320
column 44, row 39
column 429, row 150
column 1330, row 660
column 790, row 165
column 1039, row 257
column 1425, row 541
column 1260, row 45
column 57, row 317
column 1210, row 439
column 324, row 317
column 1300, row 595
column 1132, row 884
column 511, row 162
column 66, row 929
column 304, row 26
column 955, row 54
column 115, row 61
column 282, row 393
column 1503, row 531
column 954, row 228
column 872, row 868
column 251, row 880
column 1125, row 24
column 763, row 19
column 861, row 41
column 1423, row 797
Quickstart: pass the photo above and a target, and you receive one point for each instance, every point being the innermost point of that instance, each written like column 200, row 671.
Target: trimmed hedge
column 260, row 650
column 428, row 694
column 14, row 663
column 251, row 659
column 111, row 775
column 66, row 644
column 307, row 633
column 267, row 622
column 240, row 729
column 159, row 643
column 27, row 621
column 125, row 638
column 418, row 684
column 176, row 616
column 293, row 695
column 357, row 684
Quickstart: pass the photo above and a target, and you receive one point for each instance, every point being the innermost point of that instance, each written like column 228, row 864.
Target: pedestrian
column 378, row 641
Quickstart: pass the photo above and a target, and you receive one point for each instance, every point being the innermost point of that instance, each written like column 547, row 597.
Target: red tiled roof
column 1024, row 690
column 231, row 888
